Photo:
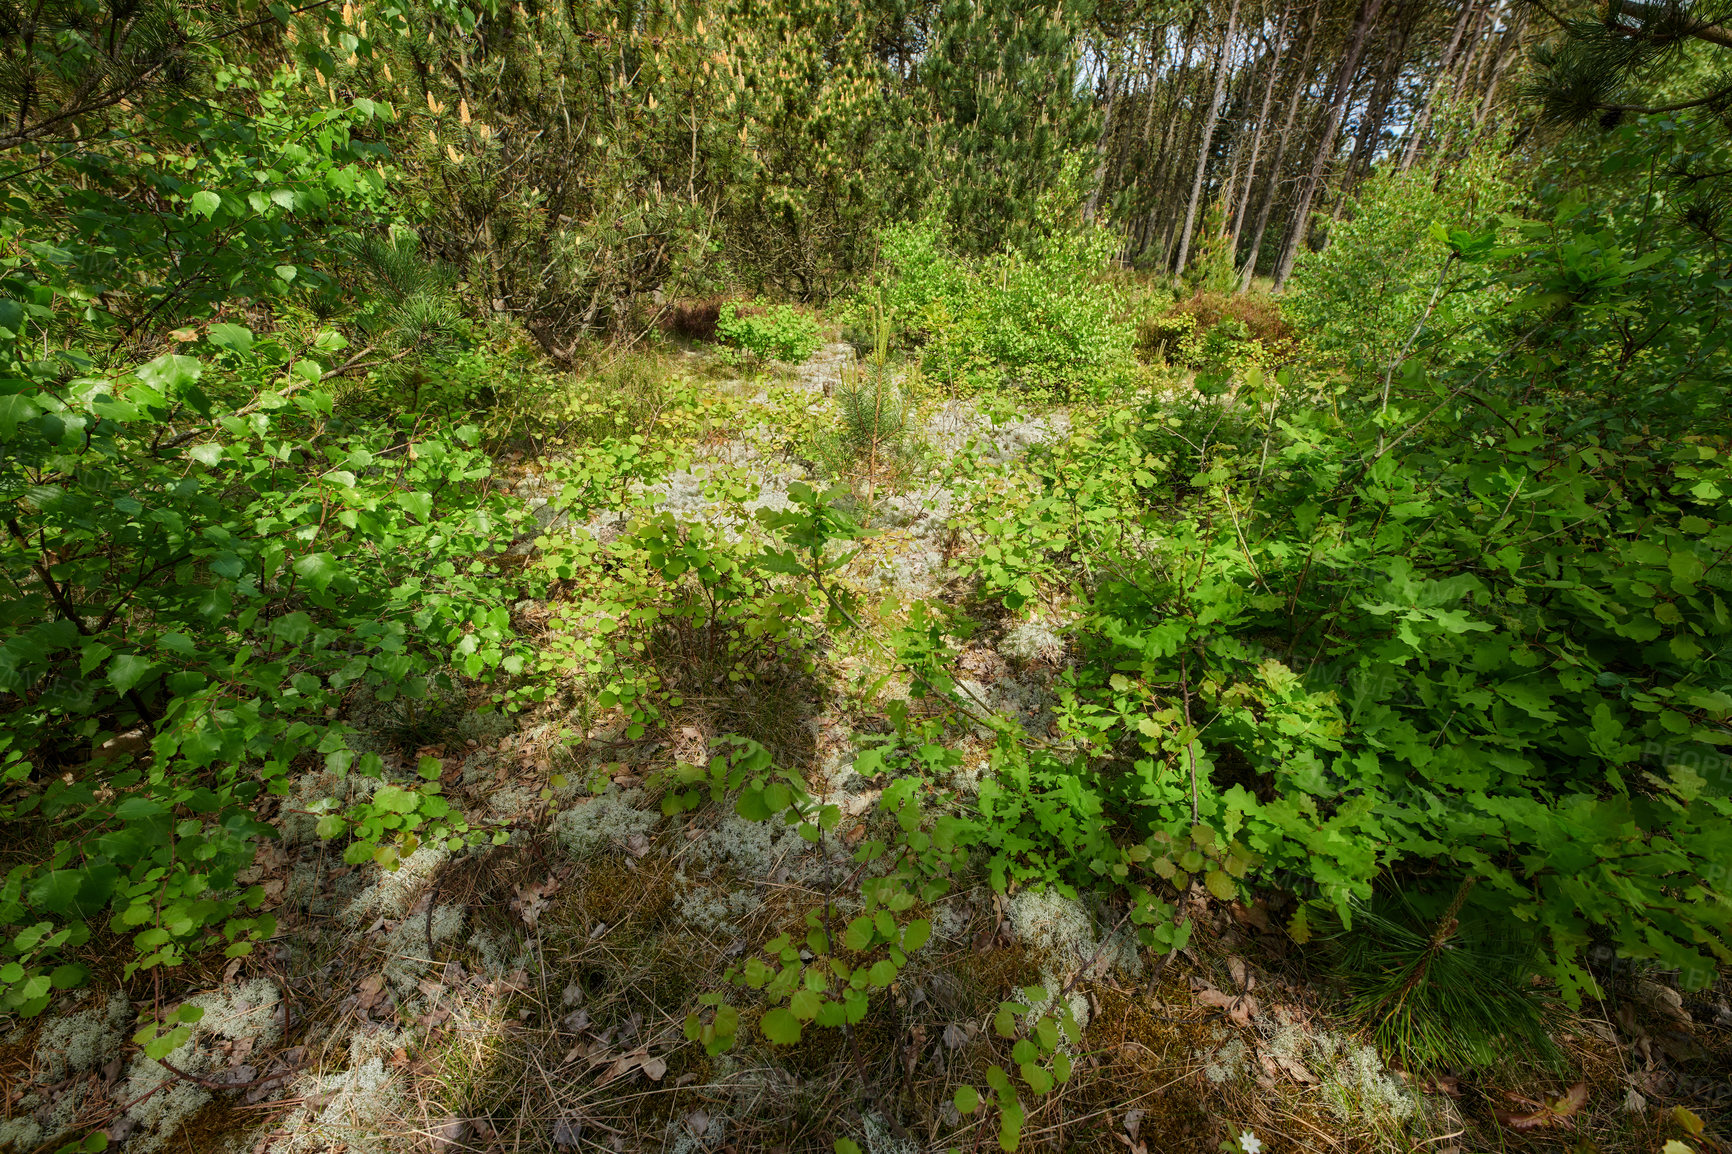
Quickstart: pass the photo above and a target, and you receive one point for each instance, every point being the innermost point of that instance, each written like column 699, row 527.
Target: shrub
column 204, row 565
column 1362, row 298
column 1259, row 313
column 779, row 332
column 1158, row 337
column 1210, row 268
column 693, row 320
column 1045, row 318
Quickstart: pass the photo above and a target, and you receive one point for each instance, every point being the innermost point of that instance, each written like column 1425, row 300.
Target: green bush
column 1049, row 318
column 778, row 332
column 202, row 566
column 1361, row 298
column 1473, row 628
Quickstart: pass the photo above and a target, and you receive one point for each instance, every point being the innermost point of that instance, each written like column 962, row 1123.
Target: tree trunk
column 1101, row 149
column 1368, row 10
column 1301, row 82
column 1208, row 139
column 1245, row 78
column 1365, row 143
column 1471, row 50
column 1155, row 169
column 1244, row 199
column 1506, row 52
column 1172, row 190
column 1417, row 133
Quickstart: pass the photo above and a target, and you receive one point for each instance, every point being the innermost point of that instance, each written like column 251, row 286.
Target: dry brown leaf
column 637, row 845
column 1296, row 1070
column 531, row 899
column 1543, row 1114
column 1255, row 915
column 1240, row 1008
column 1210, row 996
column 370, row 990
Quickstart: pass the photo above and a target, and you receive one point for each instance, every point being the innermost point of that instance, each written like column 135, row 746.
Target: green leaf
column 1009, row 1125
column 287, row 272
column 1036, row 1076
column 169, row 373
column 15, row 409
column 750, row 805
column 205, row 203
column 805, row 1004
column 858, row 935
column 127, row 670
column 780, row 1026
column 916, row 934
column 395, row 799
column 56, row 890
column 317, row 569
column 847, row 1146
column 230, row 337
column 165, row 1044
column 967, row 1099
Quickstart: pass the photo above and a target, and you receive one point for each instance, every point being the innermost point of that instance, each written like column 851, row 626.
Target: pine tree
column 1211, row 268
column 1001, row 82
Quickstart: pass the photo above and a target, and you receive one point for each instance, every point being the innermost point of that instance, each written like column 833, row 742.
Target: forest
column 866, row 576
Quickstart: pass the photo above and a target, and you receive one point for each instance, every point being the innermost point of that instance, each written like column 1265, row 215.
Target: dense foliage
column 1415, row 582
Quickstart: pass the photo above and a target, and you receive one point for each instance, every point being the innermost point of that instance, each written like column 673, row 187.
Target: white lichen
column 354, row 1106
column 752, row 848
column 393, row 892
column 880, row 1139
column 1227, row 1062
column 406, row 946
column 1030, row 641
column 243, row 1017
column 75, row 1042
column 714, row 911
column 1351, row 1074
column 607, row 820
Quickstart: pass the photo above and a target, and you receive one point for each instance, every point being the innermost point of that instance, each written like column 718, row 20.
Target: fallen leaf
column 450, row 1132
column 637, row 845
column 1236, row 967
column 1133, row 1122
column 370, row 991
column 1240, row 1008
column 1296, row 1070
column 653, row 1068
column 1543, row 1114
column 1255, row 915
column 531, row 900
column 566, row 1132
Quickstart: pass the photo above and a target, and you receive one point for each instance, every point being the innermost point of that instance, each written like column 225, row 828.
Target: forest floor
column 531, row 997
